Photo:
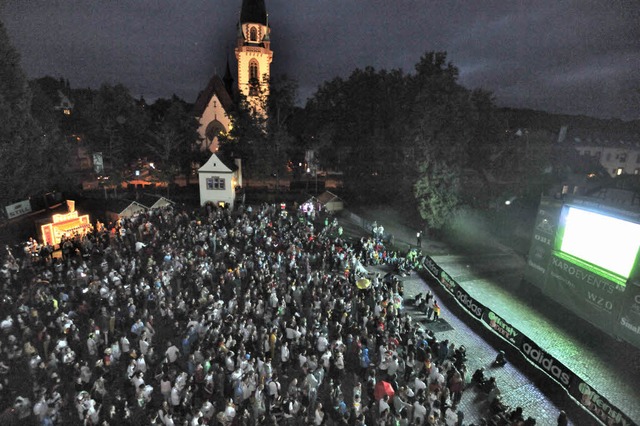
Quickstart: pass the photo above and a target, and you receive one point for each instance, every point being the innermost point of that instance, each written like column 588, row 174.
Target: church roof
column 253, row 11
column 215, row 86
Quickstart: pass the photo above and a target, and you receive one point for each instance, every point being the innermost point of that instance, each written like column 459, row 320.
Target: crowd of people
column 219, row 317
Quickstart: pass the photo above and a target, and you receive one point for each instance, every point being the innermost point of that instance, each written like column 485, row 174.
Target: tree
column 114, row 125
column 280, row 142
column 28, row 150
column 405, row 138
column 450, row 130
column 356, row 123
column 262, row 140
column 437, row 193
column 245, row 140
column 172, row 139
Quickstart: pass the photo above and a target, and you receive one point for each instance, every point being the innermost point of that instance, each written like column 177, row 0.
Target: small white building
column 151, row 201
column 217, row 182
column 117, row 209
column 330, row 202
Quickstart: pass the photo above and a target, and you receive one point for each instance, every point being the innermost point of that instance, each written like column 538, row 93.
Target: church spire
column 253, row 53
column 253, row 11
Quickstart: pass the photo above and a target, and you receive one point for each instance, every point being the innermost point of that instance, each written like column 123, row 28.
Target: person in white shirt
column 339, row 364
column 325, row 359
column 165, row 387
column 175, row 397
column 450, row 417
column 131, row 369
column 138, row 379
column 318, row 416
column 125, row 346
column 229, row 413
column 302, row 358
column 322, row 344
column 274, row 388
column 144, row 344
column 172, row 353
column 419, row 412
column 393, row 366
column 383, row 404
column 418, row 384
column 284, row 354
column 141, row 364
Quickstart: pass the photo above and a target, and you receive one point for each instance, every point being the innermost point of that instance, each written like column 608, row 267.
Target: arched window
column 254, row 81
column 212, row 134
column 253, row 34
column 253, row 70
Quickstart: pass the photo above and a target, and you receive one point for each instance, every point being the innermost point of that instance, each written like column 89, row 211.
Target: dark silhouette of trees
column 31, row 151
column 405, row 139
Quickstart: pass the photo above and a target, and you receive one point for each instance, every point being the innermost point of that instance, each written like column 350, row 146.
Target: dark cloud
column 576, row 57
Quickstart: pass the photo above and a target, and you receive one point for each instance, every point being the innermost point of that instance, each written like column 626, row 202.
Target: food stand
column 69, row 224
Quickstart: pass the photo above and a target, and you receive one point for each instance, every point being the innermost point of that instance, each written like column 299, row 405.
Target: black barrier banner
column 432, row 267
column 449, row 283
column 595, row 403
column 503, row 328
column 471, row 304
column 546, row 362
column 598, row 405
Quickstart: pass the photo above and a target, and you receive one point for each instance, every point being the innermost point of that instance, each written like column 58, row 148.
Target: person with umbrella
column 383, row 389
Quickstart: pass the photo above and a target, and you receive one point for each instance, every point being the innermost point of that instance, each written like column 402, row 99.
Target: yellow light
column 57, row 218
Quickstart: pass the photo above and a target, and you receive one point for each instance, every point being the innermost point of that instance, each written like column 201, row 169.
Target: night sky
column 574, row 57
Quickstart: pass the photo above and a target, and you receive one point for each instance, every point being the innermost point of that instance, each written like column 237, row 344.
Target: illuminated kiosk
column 218, row 182
column 70, row 223
column 584, row 255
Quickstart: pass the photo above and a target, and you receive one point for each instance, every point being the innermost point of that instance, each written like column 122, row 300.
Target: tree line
column 418, row 140
column 405, row 139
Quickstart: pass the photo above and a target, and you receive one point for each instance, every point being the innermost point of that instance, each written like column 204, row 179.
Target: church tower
column 253, row 52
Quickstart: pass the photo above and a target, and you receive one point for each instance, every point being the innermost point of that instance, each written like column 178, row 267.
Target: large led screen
column 604, row 241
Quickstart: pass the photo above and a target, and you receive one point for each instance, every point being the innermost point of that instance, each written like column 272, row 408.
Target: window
column 618, row 171
column 215, row 183
column 622, row 157
column 254, row 83
column 253, row 70
column 253, row 34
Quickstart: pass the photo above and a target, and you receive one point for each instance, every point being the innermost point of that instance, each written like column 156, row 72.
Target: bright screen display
column 604, row 241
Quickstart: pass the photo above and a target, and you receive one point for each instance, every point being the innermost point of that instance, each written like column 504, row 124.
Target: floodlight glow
column 604, row 241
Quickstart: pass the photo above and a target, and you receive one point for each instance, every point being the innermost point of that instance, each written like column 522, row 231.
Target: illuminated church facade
column 253, row 56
